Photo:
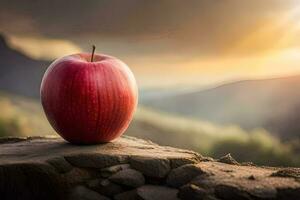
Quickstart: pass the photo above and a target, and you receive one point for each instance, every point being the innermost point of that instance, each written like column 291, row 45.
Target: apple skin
column 89, row 102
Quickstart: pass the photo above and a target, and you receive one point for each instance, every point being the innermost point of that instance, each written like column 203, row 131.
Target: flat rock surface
column 131, row 168
column 250, row 181
column 14, row 150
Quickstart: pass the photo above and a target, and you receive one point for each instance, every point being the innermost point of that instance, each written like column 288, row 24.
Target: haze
column 167, row 43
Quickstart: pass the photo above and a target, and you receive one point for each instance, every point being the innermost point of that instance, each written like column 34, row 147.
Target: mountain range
column 20, row 74
column 272, row 104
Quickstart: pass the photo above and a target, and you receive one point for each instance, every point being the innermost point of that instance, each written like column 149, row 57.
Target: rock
column 247, row 164
column 288, row 172
column 95, row 160
column 191, row 191
column 155, row 180
column 209, row 197
column 83, row 193
column 49, row 168
column 207, row 159
column 261, row 192
column 153, row 192
column 94, row 183
column 229, row 192
column 235, row 191
column 151, row 166
column 177, row 162
column 76, row 176
column 107, row 172
column 228, row 159
column 129, row 195
column 60, row 164
column 182, row 175
column 105, row 187
column 128, row 177
column 30, row 181
column 237, row 185
column 43, row 148
column 6, row 140
column 288, row 193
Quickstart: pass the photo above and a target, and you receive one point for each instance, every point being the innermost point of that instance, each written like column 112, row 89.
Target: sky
column 166, row 43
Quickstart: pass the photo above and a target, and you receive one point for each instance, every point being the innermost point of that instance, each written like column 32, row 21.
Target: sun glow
column 43, row 48
column 270, row 47
column 278, row 30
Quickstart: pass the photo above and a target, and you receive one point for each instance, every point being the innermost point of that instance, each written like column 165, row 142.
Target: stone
column 107, row 172
column 151, row 166
column 49, row 168
column 94, row 183
column 228, row 159
column 128, row 177
column 237, row 185
column 287, row 172
column 83, row 193
column 247, row 164
column 288, row 193
column 154, row 192
column 177, row 162
column 6, row 140
column 30, row 181
column 105, row 187
column 207, row 159
column 60, row 164
column 95, row 160
column 76, row 176
column 155, row 180
column 191, row 191
column 128, row 195
column 182, row 175
column 229, row 192
column 43, row 148
column 210, row 197
column 261, row 192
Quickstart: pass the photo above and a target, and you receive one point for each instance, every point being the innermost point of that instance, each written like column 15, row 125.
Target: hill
column 21, row 115
column 272, row 104
column 20, row 74
column 24, row 116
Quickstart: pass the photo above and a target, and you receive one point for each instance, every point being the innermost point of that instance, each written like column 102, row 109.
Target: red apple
column 89, row 98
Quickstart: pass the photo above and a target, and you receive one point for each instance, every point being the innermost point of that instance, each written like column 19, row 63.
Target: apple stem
column 93, row 52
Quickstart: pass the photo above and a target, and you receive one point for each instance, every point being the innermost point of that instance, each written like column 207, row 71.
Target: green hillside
column 24, row 116
column 272, row 104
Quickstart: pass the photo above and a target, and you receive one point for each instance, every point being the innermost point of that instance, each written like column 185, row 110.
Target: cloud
column 43, row 48
column 202, row 27
column 167, row 42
